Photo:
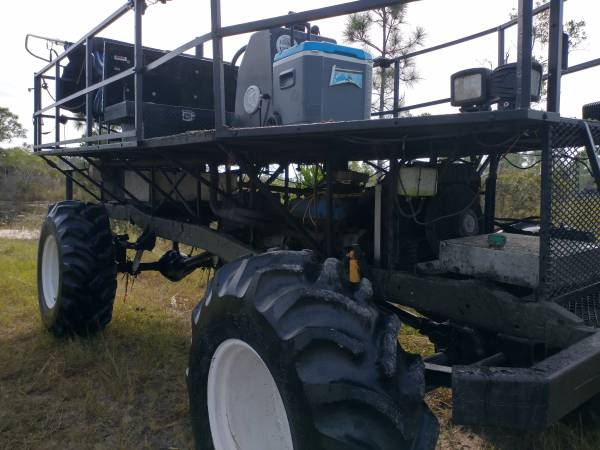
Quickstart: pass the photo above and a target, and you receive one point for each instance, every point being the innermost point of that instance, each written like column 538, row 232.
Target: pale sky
column 168, row 26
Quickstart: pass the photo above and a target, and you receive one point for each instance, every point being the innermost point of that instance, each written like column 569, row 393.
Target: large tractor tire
column 285, row 357
column 77, row 272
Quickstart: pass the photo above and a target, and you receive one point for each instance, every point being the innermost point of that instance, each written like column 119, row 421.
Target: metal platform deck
column 455, row 135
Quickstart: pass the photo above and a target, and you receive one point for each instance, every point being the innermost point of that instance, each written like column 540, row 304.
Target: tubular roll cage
column 557, row 65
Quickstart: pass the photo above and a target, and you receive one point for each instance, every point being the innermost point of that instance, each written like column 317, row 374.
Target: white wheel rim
column 50, row 271
column 245, row 408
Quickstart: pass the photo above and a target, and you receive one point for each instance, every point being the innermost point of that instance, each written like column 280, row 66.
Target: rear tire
column 77, row 272
column 340, row 377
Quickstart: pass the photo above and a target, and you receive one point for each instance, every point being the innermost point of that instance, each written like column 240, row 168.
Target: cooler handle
column 287, row 79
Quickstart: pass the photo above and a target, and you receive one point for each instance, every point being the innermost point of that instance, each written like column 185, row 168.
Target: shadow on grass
column 453, row 437
column 558, row 437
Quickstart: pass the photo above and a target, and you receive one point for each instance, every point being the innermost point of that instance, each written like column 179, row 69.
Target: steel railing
column 219, row 32
column 557, row 58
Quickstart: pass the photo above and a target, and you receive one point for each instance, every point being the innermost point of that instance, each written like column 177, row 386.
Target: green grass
column 125, row 389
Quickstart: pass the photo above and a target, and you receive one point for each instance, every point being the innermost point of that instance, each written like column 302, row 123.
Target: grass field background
column 125, row 389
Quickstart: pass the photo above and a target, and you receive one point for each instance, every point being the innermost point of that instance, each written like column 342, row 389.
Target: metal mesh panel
column 588, row 308
column 573, row 228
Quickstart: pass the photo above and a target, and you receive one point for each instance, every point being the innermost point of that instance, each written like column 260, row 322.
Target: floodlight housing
column 591, row 111
column 470, row 87
column 504, row 83
column 476, row 89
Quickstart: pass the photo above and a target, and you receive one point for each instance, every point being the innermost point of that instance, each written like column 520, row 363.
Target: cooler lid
column 324, row 47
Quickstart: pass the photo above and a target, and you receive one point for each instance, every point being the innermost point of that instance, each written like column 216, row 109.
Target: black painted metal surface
column 570, row 234
column 531, row 398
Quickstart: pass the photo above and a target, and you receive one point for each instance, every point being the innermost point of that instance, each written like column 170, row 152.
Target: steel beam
column 583, row 66
column 154, row 186
column 37, row 104
column 218, row 72
column 196, row 43
column 391, row 217
column 276, row 205
column 396, row 87
column 199, row 50
column 545, row 209
column 329, row 232
column 104, row 24
column 501, row 47
column 470, row 301
column 408, row 108
column 555, row 53
column 92, row 139
column 90, row 179
column 175, row 188
column 140, row 6
column 57, row 109
column 69, row 175
column 377, row 224
column 215, row 242
column 490, row 194
column 306, row 16
column 68, row 188
column 474, row 36
column 93, row 87
column 524, row 56
column 89, row 100
column 273, row 177
column 501, row 53
column 590, row 148
column 452, row 43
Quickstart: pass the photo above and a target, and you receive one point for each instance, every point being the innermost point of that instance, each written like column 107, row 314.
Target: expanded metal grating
column 571, row 208
column 588, row 308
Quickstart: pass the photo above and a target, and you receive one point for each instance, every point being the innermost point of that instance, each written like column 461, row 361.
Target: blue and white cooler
column 322, row 82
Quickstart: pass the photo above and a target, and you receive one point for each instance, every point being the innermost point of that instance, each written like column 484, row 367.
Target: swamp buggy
column 295, row 340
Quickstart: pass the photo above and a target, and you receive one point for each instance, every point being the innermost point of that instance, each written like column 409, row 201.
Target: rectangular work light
column 470, row 87
column 477, row 89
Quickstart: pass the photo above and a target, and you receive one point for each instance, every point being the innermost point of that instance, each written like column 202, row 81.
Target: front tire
column 77, row 272
column 285, row 357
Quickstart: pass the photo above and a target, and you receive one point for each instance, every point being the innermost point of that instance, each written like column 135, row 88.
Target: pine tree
column 383, row 31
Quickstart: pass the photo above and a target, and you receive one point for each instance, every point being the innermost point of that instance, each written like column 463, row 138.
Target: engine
column 433, row 203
